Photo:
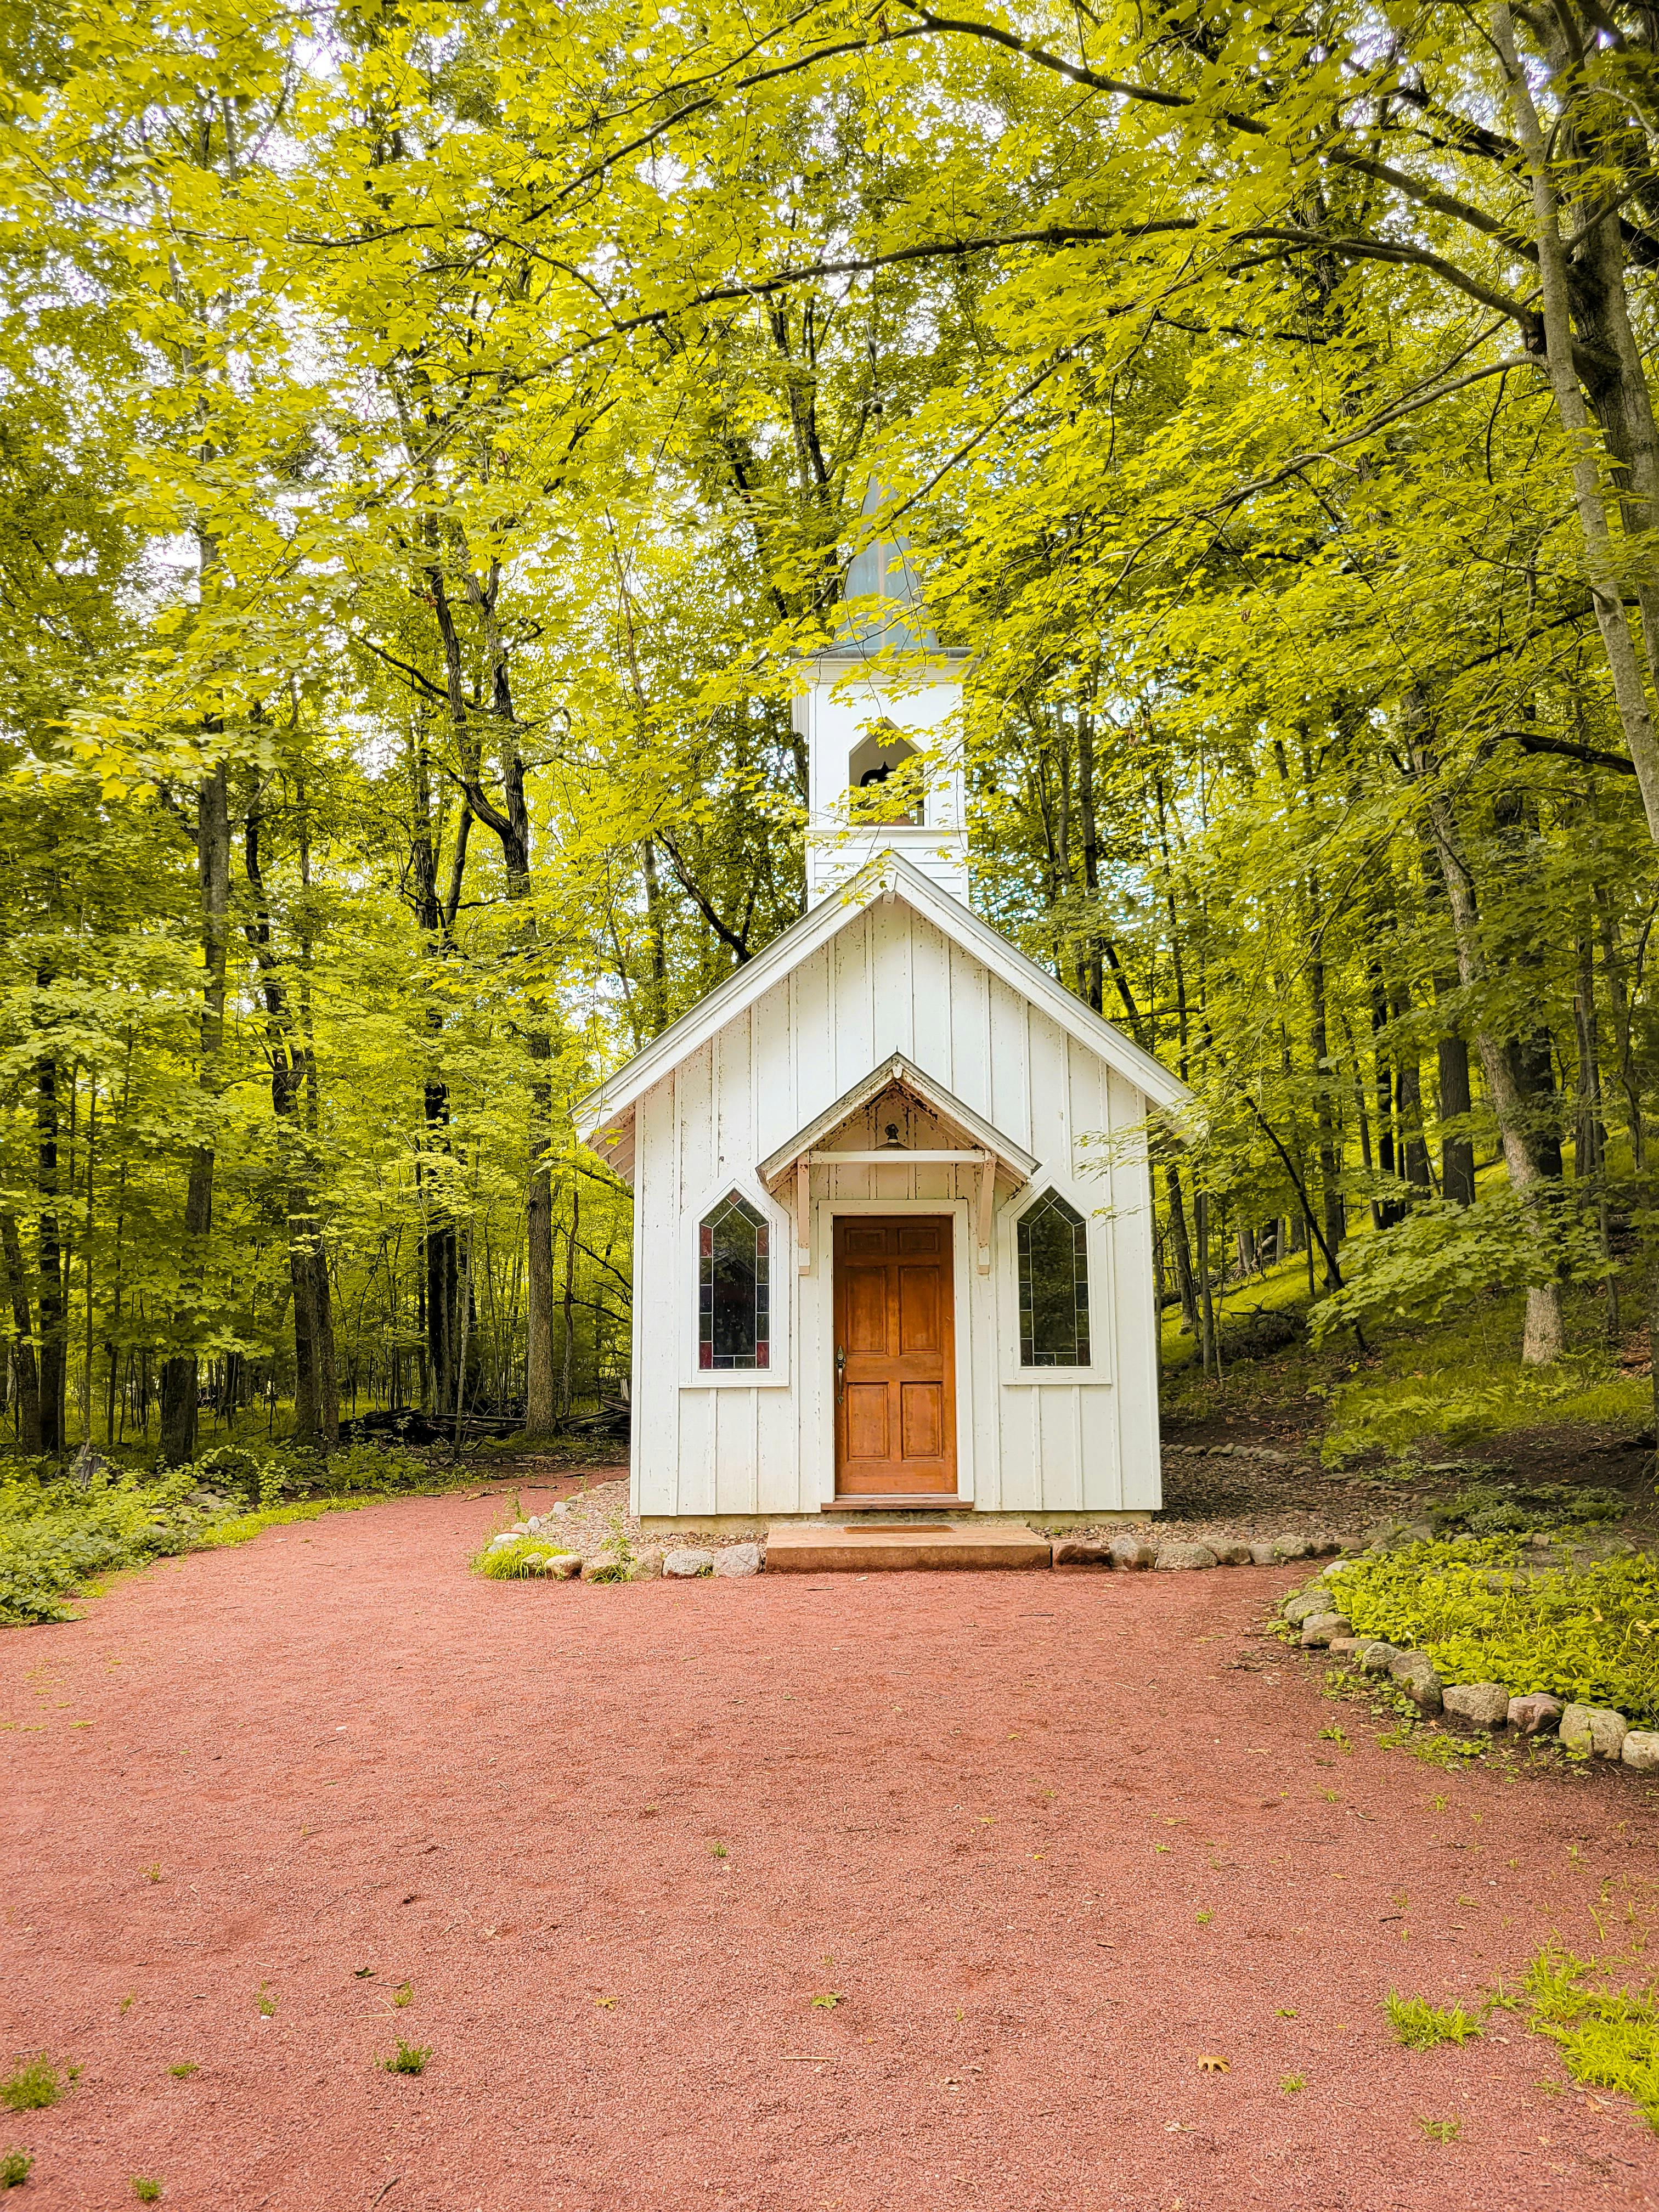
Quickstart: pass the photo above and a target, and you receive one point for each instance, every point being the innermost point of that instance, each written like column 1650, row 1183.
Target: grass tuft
column 1609, row 2038
column 147, row 2188
column 1441, row 2131
column 1419, row 2025
column 408, row 2058
column 14, row 2168
column 519, row 1561
column 33, row 2086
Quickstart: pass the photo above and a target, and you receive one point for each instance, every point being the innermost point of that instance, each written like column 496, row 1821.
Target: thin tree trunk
column 181, row 1374
column 570, row 1297
column 22, row 1351
column 54, row 1315
column 1182, row 1251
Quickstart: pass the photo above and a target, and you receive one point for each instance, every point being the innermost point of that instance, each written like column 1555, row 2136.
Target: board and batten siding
column 1030, row 1440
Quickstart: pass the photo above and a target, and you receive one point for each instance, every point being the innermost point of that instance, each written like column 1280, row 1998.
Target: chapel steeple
column 875, row 704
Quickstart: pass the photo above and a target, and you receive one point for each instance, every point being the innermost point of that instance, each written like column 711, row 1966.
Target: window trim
column 780, row 1286
column 1097, row 1246
column 1052, row 1201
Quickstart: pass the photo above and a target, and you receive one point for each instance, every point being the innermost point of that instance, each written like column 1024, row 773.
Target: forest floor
column 980, row 1891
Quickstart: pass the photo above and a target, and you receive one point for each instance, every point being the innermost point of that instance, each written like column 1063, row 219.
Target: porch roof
column 895, row 1072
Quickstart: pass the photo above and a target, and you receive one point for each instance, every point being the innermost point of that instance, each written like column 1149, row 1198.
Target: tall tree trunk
column 1602, row 564
column 1330, row 1175
column 1544, row 1336
column 22, row 1350
column 180, row 1374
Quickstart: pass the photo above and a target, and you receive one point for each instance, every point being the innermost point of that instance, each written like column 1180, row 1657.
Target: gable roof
column 896, row 1072
column 888, row 875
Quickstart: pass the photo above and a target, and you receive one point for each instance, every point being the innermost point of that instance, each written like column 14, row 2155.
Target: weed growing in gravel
column 33, row 2086
column 125, row 2005
column 147, row 2188
column 403, row 1994
column 152, row 1871
column 184, row 2069
column 266, row 2002
column 1290, row 2083
column 1419, row 2025
column 1609, row 2037
column 718, row 1851
column 409, row 2058
column 1441, row 2131
column 14, row 2168
column 827, row 2001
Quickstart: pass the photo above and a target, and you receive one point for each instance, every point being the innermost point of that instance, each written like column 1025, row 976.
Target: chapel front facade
column 893, row 1223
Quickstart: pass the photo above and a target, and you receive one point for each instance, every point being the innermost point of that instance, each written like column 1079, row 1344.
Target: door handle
column 840, row 1372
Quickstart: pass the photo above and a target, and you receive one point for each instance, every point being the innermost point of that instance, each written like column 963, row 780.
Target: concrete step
column 794, row 1547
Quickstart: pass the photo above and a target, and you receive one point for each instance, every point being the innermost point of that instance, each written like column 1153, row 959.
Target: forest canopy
column 431, row 435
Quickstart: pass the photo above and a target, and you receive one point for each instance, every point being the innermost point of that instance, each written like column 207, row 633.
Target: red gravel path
column 1050, row 1844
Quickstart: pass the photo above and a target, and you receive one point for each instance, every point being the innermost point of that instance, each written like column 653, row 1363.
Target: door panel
column 867, row 1421
column 921, row 1425
column 895, row 1347
column 919, row 1289
column 867, row 1310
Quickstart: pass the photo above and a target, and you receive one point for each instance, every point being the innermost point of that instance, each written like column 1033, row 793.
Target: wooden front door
column 896, row 1419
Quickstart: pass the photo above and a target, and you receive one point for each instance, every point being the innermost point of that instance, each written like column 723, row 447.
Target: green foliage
column 1609, row 2038
column 1441, row 1255
column 1419, row 2025
column 519, row 1561
column 1441, row 2131
column 36, row 2085
column 1500, row 1509
column 1588, row 1633
column 408, row 2059
column 55, row 1538
column 147, row 2188
column 15, row 2166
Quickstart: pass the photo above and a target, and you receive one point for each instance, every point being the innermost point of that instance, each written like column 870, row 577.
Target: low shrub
column 57, row 1538
column 1587, row 1633
column 15, row 2166
column 33, row 2086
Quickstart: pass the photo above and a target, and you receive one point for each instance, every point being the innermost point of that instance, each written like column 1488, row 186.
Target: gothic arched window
column 733, row 1299
column 1054, row 1285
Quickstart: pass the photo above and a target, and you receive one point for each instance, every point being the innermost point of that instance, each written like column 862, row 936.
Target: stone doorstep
column 794, row 1548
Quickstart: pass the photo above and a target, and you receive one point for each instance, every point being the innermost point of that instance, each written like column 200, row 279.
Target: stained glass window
column 1054, row 1285
column 733, row 1297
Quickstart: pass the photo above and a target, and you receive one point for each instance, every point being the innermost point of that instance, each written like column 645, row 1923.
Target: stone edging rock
column 1591, row 1731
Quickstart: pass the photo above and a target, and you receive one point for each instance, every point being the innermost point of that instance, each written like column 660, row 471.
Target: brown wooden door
column 896, row 1421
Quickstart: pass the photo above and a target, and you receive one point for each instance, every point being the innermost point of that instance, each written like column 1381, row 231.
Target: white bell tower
column 878, row 701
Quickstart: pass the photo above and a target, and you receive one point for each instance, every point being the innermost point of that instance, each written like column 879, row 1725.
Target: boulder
column 1262, row 1553
column 737, row 1560
column 1595, row 1731
column 1292, row 1547
column 687, row 1562
column 1344, row 1647
column 1317, row 1631
column 1374, row 1658
column 1414, row 1672
column 1231, row 1555
column 1640, row 1750
column 564, row 1566
column 604, row 1567
column 1305, row 1604
column 1132, row 1554
column 1080, row 1552
column 500, row 1543
column 1486, row 1703
column 1534, row 1714
column 1173, row 1557
column 1324, row 1546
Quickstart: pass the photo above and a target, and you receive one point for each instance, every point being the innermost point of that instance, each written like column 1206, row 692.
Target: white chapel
column 893, row 1229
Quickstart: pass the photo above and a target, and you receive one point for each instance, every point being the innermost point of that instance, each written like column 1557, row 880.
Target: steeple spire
column 882, row 606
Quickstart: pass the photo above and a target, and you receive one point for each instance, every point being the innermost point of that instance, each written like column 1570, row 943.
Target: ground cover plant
column 57, row 1536
column 1587, row 1632
column 1609, row 2038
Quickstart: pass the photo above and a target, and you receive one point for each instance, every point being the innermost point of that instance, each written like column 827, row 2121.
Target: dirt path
column 1049, row 1843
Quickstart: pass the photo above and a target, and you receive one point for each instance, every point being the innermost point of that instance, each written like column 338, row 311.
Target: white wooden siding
column 1032, row 1441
